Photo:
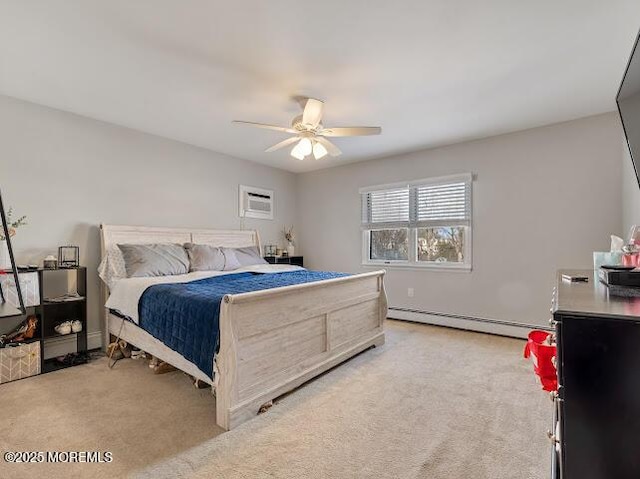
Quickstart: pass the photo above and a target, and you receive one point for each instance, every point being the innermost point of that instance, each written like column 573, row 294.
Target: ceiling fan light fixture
column 302, row 149
column 297, row 153
column 306, row 146
column 319, row 151
column 310, row 134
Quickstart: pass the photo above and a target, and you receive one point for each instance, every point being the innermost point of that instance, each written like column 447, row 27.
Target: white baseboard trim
column 482, row 325
column 67, row 344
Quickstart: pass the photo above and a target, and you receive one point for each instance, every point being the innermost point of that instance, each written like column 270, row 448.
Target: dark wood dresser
column 596, row 424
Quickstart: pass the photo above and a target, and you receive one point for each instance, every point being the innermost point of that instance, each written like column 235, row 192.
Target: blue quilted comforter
column 185, row 316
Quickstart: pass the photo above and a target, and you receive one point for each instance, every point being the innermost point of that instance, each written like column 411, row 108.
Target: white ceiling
column 430, row 72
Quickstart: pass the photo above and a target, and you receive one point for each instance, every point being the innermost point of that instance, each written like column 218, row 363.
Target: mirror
column 629, row 107
column 7, row 309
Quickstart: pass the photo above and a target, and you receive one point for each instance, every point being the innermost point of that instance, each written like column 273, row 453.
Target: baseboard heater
column 459, row 321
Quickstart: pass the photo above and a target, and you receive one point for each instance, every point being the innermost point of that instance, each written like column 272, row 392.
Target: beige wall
column 543, row 199
column 69, row 174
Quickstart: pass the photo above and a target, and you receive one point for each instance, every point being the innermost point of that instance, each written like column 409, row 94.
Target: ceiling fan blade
column 332, row 149
column 351, row 131
column 265, row 126
column 282, row 144
column 312, row 114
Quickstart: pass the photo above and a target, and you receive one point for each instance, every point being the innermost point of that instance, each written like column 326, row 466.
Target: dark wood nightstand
column 294, row 260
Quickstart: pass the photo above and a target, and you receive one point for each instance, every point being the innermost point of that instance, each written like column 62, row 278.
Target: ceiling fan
column 310, row 133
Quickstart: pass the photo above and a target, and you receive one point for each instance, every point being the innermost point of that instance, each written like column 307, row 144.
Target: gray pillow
column 143, row 260
column 230, row 260
column 203, row 257
column 242, row 257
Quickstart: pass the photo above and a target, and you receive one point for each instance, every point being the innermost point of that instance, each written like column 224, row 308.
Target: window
column 389, row 244
column 424, row 223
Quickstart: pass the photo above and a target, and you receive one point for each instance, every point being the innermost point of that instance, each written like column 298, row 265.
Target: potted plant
column 288, row 235
column 13, row 225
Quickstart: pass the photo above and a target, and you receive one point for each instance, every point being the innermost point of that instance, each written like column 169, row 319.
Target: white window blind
column 424, row 203
column 443, row 204
column 386, row 208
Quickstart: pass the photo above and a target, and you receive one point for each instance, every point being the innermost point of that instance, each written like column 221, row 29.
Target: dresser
column 595, row 430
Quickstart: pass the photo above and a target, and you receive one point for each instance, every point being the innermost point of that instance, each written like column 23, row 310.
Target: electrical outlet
column 410, row 292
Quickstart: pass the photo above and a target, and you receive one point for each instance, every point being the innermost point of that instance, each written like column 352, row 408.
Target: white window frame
column 412, row 262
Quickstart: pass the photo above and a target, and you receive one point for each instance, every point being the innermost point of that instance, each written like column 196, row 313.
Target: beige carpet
column 431, row 403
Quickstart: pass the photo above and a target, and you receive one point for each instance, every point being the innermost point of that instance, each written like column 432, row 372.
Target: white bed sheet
column 125, row 294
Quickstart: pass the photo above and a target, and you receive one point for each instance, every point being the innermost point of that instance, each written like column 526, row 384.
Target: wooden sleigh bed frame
column 274, row 340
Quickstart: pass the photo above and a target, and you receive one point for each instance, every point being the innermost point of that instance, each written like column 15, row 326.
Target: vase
column 5, row 259
column 291, row 250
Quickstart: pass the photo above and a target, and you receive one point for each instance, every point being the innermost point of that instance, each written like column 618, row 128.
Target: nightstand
column 293, row 260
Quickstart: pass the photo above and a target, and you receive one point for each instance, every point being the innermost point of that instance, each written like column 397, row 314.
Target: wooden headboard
column 116, row 234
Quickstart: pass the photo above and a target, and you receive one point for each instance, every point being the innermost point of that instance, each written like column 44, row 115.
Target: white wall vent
column 256, row 203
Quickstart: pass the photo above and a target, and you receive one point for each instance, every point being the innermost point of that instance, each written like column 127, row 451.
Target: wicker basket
column 19, row 362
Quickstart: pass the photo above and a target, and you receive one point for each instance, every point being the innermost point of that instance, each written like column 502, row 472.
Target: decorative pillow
column 203, row 257
column 154, row 259
column 112, row 267
column 243, row 256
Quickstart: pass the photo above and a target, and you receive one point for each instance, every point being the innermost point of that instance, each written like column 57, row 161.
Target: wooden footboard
column 274, row 340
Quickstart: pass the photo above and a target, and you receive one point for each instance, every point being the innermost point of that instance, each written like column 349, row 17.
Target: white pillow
column 112, row 267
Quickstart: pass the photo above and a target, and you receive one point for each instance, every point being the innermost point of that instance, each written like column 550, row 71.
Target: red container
column 630, row 259
column 542, row 354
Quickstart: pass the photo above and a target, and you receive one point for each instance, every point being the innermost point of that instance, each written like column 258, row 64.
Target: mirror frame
column 14, row 268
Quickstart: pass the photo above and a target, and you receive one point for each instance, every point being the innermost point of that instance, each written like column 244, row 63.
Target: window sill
column 464, row 268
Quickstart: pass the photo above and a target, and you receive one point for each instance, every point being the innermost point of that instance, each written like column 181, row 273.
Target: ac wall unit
column 256, row 203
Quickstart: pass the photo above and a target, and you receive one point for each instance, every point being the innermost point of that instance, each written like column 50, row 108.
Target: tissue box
column 600, row 258
column 29, row 286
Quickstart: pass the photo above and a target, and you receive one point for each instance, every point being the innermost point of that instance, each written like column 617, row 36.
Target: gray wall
column 69, row 174
column 543, row 199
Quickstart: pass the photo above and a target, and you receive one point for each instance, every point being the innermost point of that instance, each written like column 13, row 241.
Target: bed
column 270, row 341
